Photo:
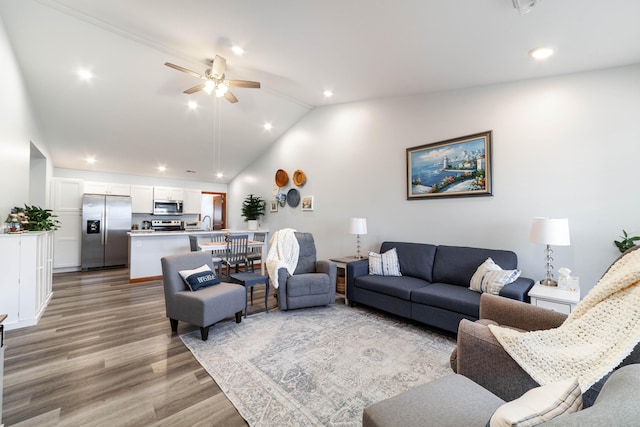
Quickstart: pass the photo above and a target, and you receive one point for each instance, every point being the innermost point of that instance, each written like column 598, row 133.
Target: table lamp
column 549, row 232
column 358, row 226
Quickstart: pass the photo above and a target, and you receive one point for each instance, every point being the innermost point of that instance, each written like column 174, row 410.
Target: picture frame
column 457, row 167
column 307, row 203
column 273, row 204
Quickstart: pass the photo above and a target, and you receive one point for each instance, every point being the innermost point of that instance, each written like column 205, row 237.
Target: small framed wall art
column 273, row 204
column 307, row 203
column 458, row 167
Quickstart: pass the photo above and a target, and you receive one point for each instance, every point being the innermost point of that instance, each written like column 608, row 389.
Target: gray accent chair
column 203, row 307
column 457, row 401
column 313, row 282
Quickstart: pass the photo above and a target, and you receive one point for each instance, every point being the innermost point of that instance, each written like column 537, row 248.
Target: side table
column 341, row 263
column 560, row 300
column 249, row 280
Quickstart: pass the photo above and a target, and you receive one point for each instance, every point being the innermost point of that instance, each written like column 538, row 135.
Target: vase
column 252, row 224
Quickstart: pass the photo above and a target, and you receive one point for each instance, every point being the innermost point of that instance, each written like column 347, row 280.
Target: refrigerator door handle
column 105, row 216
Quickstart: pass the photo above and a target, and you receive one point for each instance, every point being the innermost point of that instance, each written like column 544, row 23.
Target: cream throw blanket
column 595, row 338
column 283, row 253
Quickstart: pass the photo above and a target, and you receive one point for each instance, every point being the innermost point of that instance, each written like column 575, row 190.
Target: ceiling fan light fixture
column 209, row 86
column 237, row 50
column 221, row 89
column 525, row 6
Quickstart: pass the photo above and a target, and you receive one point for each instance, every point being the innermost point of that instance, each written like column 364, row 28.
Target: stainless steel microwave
column 167, row 207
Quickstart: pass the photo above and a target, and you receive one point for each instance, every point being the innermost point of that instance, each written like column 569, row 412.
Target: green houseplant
column 38, row 219
column 253, row 208
column 626, row 242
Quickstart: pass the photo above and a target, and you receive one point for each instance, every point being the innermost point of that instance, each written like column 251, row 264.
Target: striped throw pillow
column 490, row 278
column 385, row 264
column 539, row 405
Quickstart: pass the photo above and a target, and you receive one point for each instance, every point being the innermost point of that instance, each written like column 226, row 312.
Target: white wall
column 18, row 129
column 564, row 147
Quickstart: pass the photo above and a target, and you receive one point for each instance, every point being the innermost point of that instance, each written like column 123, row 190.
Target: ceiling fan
column 215, row 80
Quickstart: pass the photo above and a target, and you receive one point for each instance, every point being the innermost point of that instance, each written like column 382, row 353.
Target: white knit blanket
column 283, row 253
column 595, row 338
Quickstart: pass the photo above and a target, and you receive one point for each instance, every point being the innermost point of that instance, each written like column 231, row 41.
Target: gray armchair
column 313, row 283
column 203, row 307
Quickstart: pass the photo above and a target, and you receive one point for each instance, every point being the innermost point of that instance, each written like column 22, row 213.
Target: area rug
column 319, row 366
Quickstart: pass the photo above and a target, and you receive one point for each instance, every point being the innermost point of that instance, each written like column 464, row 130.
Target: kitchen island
column 147, row 247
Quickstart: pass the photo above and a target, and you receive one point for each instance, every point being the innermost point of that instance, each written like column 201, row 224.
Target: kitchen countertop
column 151, row 233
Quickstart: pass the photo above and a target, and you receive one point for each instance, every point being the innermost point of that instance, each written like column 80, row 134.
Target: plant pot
column 252, row 224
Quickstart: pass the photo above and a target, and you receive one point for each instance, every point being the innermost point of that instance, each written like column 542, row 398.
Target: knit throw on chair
column 593, row 340
column 283, row 253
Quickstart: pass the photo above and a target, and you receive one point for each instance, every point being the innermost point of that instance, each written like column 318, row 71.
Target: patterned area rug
column 319, row 366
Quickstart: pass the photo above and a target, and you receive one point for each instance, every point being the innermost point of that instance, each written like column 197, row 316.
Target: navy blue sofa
column 434, row 286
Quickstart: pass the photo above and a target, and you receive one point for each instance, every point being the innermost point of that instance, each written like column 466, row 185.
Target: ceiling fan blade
column 184, row 70
column 194, row 89
column 243, row 83
column 219, row 64
column 230, row 97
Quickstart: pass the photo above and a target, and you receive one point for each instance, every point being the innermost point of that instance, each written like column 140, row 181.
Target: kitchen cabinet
column 66, row 195
column 107, row 188
column 26, row 267
column 142, row 199
column 168, row 193
column 192, row 201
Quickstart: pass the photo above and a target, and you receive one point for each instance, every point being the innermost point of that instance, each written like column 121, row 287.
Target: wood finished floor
column 103, row 355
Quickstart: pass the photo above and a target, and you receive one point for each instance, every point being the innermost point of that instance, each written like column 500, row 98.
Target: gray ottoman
column 453, row 400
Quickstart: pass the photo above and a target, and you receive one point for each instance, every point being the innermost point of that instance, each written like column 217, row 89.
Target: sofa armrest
column 517, row 314
column 355, row 269
column 481, row 358
column 518, row 289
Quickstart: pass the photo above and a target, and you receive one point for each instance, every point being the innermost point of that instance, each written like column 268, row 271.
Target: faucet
column 205, row 217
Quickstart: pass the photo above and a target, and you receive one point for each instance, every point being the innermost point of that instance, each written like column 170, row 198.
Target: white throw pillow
column 199, row 278
column 490, row 278
column 539, row 405
column 385, row 264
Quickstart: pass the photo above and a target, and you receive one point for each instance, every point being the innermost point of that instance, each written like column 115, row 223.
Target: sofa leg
column 239, row 317
column 174, row 325
column 204, row 333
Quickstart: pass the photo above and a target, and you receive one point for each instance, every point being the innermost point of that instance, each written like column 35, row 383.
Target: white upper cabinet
column 141, row 199
column 66, row 195
column 168, row 193
column 192, row 201
column 111, row 189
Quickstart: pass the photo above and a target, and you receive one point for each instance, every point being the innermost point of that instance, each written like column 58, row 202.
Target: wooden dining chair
column 256, row 253
column 236, row 252
column 217, row 261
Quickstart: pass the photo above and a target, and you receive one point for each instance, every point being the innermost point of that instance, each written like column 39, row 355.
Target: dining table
column 222, row 246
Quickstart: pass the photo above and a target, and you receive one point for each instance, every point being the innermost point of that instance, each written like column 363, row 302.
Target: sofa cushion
column 384, row 264
column 489, row 277
column 457, row 264
column 539, row 405
column 416, row 259
column 396, row 286
column 449, row 297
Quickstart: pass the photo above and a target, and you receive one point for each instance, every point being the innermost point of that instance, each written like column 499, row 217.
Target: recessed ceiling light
column 193, row 105
column 85, row 74
column 237, row 50
column 91, row 160
column 162, row 168
column 268, row 126
column 541, row 52
column 219, row 175
column 328, row 94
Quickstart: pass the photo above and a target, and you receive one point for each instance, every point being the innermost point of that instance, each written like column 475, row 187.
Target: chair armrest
column 517, row 314
column 482, row 359
column 330, row 268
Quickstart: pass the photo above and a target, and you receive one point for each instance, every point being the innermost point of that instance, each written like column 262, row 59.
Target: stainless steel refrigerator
column 105, row 223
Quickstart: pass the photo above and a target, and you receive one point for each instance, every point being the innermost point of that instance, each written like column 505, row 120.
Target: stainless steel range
column 167, row 225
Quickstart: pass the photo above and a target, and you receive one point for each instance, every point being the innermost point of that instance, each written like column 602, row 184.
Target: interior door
column 219, row 220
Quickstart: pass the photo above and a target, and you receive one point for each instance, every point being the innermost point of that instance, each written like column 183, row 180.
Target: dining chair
column 217, row 261
column 236, row 252
column 255, row 254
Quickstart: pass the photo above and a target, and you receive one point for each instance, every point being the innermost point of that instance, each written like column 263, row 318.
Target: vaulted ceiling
column 133, row 117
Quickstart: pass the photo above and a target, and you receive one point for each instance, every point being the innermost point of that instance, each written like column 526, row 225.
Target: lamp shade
column 550, row 231
column 358, row 226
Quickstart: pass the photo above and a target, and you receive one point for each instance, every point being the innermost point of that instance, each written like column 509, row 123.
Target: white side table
column 341, row 263
column 555, row 299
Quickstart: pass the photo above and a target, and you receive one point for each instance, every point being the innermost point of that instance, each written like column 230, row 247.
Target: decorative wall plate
column 282, row 177
column 293, row 197
column 299, row 178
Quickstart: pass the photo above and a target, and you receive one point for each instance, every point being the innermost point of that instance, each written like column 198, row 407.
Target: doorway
column 215, row 208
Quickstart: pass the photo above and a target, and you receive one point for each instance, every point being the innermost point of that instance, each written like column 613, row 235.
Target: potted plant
column 253, row 208
column 626, row 242
column 36, row 218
